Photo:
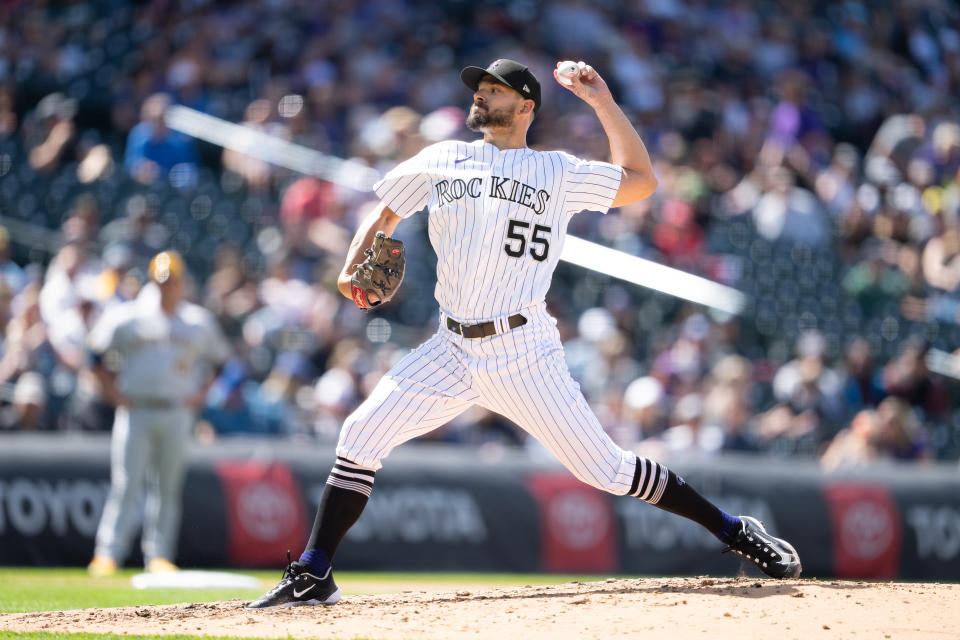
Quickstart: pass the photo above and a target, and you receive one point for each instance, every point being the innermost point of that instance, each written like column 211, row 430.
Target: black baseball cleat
column 775, row 557
column 299, row 587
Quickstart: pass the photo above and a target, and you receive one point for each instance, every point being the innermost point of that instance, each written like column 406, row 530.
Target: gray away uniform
column 162, row 362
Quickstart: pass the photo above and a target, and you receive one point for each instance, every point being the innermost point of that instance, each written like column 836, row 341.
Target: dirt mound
column 676, row 608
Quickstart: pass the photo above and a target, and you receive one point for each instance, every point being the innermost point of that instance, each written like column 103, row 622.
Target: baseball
column 567, row 70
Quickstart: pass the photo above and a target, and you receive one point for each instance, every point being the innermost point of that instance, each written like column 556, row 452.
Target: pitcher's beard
column 479, row 119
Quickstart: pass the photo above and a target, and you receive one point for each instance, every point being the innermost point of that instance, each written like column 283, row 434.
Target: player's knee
column 361, row 458
column 603, row 482
column 612, row 474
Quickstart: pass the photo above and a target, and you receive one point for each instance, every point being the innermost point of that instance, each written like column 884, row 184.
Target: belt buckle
column 456, row 328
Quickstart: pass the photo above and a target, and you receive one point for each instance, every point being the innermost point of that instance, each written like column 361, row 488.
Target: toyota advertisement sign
column 433, row 509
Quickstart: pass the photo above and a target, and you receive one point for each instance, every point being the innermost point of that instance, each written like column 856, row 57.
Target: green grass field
column 54, row 589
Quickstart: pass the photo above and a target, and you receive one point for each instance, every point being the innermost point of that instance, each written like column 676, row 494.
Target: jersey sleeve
column 406, row 187
column 590, row 185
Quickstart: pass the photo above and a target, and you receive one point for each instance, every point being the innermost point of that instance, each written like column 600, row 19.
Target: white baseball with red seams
column 567, row 70
column 497, row 221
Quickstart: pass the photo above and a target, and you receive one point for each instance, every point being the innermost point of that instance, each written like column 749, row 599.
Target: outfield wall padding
column 435, row 508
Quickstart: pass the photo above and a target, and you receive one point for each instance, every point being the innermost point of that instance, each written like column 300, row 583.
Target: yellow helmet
column 166, row 265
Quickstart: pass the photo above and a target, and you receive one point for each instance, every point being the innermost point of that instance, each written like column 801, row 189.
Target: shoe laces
column 753, row 539
column 290, row 573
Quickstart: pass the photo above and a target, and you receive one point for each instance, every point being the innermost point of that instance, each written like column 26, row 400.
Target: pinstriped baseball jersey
column 498, row 218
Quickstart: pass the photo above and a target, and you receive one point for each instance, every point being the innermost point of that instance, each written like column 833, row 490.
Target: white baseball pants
column 520, row 374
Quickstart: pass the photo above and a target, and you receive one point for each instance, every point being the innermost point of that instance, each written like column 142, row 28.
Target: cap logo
column 526, row 88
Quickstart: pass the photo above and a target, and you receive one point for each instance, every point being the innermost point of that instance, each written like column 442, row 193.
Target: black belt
column 483, row 329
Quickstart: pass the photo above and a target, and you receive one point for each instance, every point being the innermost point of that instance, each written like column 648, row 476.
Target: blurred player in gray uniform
column 155, row 357
column 498, row 214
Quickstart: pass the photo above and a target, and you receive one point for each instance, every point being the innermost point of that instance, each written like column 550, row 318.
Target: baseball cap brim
column 472, row 76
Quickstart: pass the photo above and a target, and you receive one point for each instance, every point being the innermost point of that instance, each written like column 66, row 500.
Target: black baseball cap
column 511, row 73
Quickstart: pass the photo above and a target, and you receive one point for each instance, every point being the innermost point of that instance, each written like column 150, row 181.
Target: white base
column 191, row 579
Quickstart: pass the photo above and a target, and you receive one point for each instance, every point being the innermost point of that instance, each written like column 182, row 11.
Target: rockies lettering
column 503, row 188
column 475, row 193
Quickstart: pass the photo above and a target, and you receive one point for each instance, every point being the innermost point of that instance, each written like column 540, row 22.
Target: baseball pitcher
column 498, row 213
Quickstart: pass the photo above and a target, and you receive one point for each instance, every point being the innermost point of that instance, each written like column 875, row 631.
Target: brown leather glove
column 377, row 279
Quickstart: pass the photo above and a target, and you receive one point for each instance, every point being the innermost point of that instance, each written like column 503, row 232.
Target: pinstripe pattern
column 469, row 233
column 425, row 390
column 497, row 222
column 520, row 374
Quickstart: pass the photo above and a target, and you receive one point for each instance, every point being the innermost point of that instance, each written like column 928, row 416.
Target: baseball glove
column 377, row 279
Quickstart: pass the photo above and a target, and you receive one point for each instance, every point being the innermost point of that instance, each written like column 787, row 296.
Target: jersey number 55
column 539, row 240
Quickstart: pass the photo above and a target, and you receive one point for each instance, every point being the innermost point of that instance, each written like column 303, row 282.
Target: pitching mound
column 676, row 608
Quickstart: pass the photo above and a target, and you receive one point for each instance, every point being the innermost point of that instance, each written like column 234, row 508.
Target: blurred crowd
column 808, row 154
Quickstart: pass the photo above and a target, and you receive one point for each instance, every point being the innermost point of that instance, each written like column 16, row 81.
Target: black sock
column 657, row 485
column 346, row 494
